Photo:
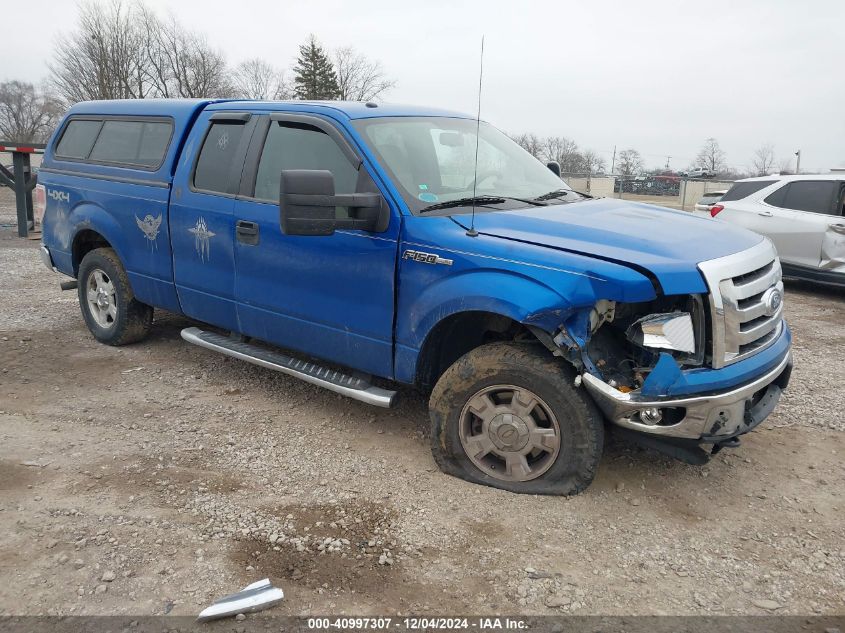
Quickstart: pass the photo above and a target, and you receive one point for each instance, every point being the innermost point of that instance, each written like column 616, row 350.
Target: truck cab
column 359, row 245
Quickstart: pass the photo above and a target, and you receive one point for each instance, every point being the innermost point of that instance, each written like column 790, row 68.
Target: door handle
column 247, row 232
column 838, row 228
column 765, row 214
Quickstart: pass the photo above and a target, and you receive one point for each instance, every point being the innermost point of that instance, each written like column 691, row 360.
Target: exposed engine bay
column 624, row 341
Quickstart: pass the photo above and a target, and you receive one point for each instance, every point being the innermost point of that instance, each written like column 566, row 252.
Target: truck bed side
column 93, row 202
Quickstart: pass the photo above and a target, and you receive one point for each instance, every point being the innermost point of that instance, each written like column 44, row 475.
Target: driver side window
column 300, row 146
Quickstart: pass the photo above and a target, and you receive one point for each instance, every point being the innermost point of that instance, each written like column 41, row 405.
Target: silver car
column 802, row 215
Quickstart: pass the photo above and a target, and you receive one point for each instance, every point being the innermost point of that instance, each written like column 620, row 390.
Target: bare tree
column 258, row 79
column 711, row 157
column 592, row 163
column 530, row 143
column 630, row 162
column 359, row 78
column 764, row 159
column 563, row 151
column 181, row 63
column 27, row 114
column 102, row 58
column 120, row 51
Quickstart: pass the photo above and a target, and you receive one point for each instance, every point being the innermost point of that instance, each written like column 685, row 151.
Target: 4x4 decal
column 58, row 196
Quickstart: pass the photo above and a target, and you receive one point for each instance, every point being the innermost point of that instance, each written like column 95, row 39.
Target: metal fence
column 677, row 192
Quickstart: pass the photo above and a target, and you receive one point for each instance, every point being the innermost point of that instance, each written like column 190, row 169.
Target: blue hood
column 668, row 244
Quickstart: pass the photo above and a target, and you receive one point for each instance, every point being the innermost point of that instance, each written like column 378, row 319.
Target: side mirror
column 554, row 167
column 308, row 205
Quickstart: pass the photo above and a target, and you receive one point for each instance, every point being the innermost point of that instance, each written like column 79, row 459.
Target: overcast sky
column 656, row 76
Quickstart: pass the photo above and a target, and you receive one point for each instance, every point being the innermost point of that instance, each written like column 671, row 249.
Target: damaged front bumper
column 711, row 418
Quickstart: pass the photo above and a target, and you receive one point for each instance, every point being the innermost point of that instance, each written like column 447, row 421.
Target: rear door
column 202, row 227
column 798, row 217
column 328, row 296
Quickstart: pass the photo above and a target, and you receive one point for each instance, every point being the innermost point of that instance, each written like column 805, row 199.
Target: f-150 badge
column 426, row 258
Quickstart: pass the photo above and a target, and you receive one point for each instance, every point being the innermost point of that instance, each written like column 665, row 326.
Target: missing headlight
column 671, row 331
column 678, row 330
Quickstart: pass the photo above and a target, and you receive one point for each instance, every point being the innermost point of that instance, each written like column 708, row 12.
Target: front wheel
column 112, row 313
column 507, row 415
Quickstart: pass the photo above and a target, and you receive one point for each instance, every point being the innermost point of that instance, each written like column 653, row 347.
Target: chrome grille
column 744, row 321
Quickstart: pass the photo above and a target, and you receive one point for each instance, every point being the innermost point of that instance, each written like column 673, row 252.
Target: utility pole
column 667, row 162
column 798, row 162
column 613, row 172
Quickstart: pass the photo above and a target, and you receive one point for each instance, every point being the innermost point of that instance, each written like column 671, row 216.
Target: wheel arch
column 85, row 241
column 94, row 227
column 462, row 312
column 459, row 333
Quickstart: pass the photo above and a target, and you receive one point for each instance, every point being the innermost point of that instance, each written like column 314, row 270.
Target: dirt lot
column 153, row 478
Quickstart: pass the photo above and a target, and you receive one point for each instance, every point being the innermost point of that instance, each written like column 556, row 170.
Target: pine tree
column 314, row 75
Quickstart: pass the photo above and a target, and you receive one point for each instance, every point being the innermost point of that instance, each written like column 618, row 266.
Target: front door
column 329, row 296
column 201, row 221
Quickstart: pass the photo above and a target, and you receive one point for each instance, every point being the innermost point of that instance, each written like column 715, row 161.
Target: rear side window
column 301, row 146
column 710, row 198
column 214, row 164
column 742, row 190
column 135, row 143
column 776, row 198
column 132, row 143
column 78, row 138
column 816, row 196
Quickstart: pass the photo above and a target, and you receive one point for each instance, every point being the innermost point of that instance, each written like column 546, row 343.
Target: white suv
column 802, row 215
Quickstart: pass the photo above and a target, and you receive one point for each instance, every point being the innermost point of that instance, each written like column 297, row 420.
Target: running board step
column 337, row 381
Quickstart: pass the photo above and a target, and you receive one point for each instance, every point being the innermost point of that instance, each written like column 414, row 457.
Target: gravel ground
column 153, row 478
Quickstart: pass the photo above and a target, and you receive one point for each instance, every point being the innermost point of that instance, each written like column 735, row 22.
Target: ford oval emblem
column 772, row 300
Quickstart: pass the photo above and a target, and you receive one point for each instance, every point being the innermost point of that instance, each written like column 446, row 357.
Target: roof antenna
column 472, row 232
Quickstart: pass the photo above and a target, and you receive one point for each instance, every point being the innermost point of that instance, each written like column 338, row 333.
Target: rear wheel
column 508, row 415
column 109, row 307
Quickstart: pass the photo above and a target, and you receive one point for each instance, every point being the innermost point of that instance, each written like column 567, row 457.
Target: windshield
column 431, row 159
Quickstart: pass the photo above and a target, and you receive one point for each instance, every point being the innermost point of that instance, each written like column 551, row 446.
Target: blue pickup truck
column 359, row 245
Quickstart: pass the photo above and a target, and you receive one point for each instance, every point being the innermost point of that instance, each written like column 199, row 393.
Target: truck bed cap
column 142, row 107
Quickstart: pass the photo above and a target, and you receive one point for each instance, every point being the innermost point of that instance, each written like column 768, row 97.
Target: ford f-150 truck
column 357, row 245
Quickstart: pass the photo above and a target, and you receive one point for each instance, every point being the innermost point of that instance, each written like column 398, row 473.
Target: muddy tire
column 508, row 415
column 112, row 313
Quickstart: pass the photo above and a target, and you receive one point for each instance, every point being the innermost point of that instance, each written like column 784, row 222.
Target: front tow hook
column 731, row 443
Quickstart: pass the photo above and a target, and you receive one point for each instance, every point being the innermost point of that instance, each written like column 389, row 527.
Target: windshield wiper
column 559, row 193
column 480, row 200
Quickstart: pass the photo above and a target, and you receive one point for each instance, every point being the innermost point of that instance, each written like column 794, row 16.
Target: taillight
column 39, row 203
column 715, row 209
